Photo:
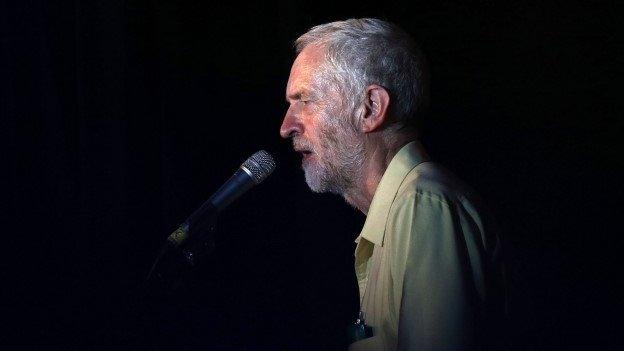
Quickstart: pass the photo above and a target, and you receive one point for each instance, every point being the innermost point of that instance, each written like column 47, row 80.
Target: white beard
column 339, row 165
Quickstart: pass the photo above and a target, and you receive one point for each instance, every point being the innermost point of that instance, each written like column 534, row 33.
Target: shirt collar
column 408, row 157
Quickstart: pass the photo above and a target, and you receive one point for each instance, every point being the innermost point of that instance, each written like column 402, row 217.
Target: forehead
column 303, row 69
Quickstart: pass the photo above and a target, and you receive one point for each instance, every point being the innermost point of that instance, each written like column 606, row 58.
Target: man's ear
column 376, row 104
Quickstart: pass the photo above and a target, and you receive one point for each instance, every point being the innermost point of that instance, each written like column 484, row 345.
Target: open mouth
column 302, row 148
column 305, row 154
column 303, row 151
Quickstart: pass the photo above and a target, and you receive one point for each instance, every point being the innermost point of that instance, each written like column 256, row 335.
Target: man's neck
column 378, row 157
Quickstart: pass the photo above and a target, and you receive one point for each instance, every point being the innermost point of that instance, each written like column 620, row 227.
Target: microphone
column 251, row 173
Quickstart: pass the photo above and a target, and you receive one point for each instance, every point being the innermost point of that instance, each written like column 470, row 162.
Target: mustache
column 300, row 144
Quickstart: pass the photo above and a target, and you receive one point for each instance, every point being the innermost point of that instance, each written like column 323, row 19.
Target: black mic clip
column 196, row 248
column 177, row 261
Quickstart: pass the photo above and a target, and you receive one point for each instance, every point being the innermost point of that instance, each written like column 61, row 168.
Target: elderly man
column 427, row 257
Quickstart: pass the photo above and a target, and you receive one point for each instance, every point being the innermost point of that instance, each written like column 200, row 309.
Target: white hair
column 361, row 52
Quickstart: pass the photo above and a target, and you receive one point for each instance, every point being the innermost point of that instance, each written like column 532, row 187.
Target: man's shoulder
column 430, row 192
column 433, row 180
column 429, row 185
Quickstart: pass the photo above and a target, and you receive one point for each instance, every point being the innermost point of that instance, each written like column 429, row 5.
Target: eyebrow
column 297, row 95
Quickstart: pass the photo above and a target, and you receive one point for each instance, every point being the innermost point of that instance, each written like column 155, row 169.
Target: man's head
column 351, row 79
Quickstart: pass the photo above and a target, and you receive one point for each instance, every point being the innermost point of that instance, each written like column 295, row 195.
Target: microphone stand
column 171, row 276
column 174, row 263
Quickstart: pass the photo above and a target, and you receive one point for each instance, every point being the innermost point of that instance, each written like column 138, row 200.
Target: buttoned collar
column 408, row 157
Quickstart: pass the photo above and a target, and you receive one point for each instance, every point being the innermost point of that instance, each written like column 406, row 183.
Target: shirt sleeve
column 436, row 253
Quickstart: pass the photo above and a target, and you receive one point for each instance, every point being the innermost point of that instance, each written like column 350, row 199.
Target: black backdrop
column 121, row 117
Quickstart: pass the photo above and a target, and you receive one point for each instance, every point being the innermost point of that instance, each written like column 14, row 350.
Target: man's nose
column 291, row 125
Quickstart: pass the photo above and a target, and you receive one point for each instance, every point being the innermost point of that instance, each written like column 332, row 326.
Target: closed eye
column 302, row 98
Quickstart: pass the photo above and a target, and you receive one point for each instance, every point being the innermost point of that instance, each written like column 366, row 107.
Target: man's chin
column 313, row 178
column 318, row 184
column 313, row 182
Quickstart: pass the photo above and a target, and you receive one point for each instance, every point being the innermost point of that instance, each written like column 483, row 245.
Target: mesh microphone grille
column 260, row 164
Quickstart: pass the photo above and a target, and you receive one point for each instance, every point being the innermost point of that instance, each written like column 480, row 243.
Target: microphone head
column 259, row 165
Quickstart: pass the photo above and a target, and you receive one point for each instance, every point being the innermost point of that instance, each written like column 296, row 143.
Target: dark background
column 121, row 117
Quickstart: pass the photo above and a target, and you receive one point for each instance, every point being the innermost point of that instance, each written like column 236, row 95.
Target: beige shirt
column 426, row 260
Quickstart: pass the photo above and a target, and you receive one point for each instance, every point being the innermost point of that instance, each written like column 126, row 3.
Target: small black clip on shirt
column 359, row 330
